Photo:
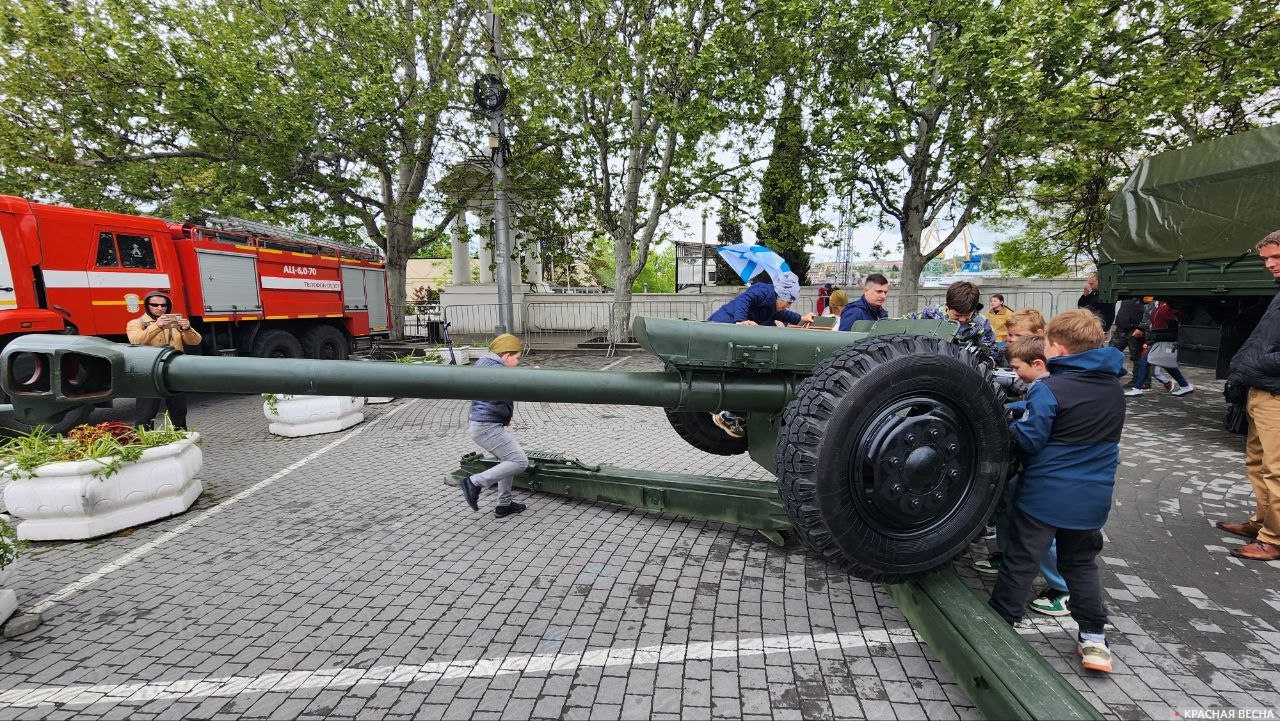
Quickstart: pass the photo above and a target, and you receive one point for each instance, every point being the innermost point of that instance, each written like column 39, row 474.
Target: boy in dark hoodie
column 1069, row 438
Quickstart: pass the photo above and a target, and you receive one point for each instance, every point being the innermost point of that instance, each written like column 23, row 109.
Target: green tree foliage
column 435, row 245
column 288, row 111
column 658, row 275
column 729, row 233
column 784, row 189
column 639, row 91
column 937, row 107
column 1166, row 74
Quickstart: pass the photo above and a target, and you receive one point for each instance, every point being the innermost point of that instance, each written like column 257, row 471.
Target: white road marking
column 145, row 549
column 621, row 360
column 83, row 694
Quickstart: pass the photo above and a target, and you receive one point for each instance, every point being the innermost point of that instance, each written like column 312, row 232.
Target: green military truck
column 1183, row 229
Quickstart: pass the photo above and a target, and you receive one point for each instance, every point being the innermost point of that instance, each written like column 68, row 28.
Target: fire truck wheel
column 699, row 431
column 276, row 343
column 324, row 342
column 893, row 455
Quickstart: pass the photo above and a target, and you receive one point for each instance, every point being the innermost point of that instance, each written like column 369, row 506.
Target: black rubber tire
column 324, row 342
column 928, row 414
column 276, row 343
column 698, row 430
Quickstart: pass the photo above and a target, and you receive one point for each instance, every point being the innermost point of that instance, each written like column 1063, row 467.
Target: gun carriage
column 889, row 443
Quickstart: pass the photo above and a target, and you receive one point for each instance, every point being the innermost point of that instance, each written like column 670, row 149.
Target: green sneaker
column 990, row 566
column 1051, row 602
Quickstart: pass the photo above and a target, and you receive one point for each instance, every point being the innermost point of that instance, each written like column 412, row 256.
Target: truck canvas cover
column 1211, row 200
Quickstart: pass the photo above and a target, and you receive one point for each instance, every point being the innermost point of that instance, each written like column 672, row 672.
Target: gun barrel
column 690, row 391
column 711, row 367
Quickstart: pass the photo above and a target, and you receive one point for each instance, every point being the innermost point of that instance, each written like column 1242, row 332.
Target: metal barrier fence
column 555, row 325
column 560, row 324
column 423, row 319
column 474, row 324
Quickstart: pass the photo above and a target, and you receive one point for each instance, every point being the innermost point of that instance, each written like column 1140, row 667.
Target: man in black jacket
column 1091, row 300
column 1256, row 370
column 1129, row 319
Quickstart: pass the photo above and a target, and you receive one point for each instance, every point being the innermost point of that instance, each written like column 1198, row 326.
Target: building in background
column 695, row 266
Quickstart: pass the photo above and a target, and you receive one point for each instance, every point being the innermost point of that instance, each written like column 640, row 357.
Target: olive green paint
column 1004, row 676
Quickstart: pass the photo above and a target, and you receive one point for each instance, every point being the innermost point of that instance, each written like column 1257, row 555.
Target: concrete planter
column 8, row 599
column 463, row 355
column 296, row 416
column 62, row 501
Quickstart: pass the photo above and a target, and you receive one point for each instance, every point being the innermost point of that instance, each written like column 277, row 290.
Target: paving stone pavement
column 355, row 584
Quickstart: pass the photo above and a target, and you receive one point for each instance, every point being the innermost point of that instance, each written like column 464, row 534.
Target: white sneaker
column 1133, row 391
column 1183, row 390
column 1094, row 656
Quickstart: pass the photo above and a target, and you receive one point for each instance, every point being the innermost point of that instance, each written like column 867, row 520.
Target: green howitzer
column 889, row 444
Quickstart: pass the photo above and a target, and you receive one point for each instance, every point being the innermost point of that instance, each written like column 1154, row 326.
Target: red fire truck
column 249, row 288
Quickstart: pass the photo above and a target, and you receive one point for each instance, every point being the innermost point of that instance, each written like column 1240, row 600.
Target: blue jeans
column 494, row 438
column 1143, row 367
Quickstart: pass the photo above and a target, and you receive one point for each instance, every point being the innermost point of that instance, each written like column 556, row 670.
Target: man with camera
column 158, row 326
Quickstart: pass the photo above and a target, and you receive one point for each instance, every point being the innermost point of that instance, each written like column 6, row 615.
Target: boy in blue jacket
column 1069, row 437
column 761, row 304
column 487, row 427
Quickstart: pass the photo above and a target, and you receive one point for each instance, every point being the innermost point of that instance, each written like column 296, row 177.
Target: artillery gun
column 889, row 443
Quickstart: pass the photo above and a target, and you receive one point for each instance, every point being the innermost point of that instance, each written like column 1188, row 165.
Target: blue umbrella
column 748, row 260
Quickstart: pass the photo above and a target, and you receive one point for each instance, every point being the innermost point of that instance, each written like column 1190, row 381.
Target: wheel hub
column 913, row 466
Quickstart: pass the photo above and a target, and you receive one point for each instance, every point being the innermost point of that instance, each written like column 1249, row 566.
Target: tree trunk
column 620, row 316
column 399, row 248
column 911, row 228
column 620, row 311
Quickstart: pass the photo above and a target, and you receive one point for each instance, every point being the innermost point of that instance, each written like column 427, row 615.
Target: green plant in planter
column 272, row 399
column 428, row 357
column 110, row 444
column 10, row 546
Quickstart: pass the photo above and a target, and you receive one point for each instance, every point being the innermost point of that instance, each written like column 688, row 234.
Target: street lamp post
column 491, row 96
column 702, row 281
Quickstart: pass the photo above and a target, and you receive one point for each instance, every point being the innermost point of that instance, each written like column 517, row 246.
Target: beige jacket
column 145, row 331
column 999, row 321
